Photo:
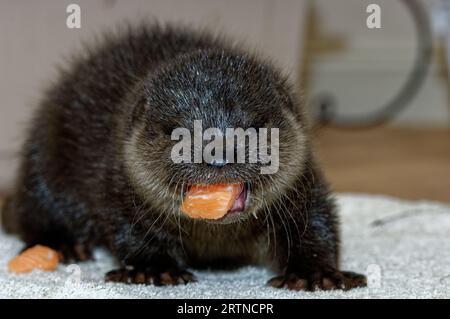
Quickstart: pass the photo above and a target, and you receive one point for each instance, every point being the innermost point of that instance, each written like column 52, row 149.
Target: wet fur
column 95, row 167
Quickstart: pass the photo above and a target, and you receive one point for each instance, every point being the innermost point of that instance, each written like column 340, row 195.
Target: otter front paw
column 130, row 275
column 74, row 253
column 344, row 280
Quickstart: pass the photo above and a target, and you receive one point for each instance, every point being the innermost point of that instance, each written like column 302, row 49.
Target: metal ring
column 327, row 114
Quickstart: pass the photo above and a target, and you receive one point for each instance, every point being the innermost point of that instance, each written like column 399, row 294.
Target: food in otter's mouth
column 214, row 201
column 37, row 257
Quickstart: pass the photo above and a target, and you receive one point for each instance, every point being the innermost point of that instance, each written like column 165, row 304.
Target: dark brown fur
column 96, row 167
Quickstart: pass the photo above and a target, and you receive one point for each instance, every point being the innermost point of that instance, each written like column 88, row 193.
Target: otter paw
column 344, row 280
column 74, row 253
column 130, row 275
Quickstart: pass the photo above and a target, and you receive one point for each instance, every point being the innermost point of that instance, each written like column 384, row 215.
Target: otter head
column 197, row 99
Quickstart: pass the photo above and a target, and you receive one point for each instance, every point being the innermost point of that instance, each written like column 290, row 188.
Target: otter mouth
column 240, row 201
column 239, row 205
column 216, row 202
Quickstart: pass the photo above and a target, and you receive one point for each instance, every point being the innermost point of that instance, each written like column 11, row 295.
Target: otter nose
column 218, row 163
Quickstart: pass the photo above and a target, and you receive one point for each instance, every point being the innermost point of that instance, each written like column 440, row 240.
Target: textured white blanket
column 406, row 255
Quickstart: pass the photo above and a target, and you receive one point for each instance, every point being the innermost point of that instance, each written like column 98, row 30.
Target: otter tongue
column 239, row 202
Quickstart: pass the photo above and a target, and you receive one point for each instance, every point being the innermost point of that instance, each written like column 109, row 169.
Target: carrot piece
column 210, row 201
column 37, row 257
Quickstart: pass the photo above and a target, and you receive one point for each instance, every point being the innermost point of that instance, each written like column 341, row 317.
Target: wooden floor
column 406, row 163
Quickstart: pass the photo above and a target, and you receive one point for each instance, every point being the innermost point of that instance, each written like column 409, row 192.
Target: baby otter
column 96, row 167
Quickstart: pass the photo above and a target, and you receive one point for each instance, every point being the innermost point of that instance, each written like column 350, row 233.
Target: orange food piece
column 210, row 201
column 37, row 257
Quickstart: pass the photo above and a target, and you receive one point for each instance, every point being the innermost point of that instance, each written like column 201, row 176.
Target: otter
column 96, row 168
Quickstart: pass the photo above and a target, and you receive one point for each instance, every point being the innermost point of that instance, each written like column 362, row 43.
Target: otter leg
column 309, row 262
column 307, row 244
column 148, row 258
column 44, row 221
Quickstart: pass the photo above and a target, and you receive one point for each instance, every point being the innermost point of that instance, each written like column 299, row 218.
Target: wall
column 34, row 39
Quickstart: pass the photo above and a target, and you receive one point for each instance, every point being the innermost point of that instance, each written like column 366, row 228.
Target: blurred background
column 380, row 97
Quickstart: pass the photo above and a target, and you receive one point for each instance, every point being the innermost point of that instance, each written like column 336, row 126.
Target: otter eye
column 156, row 130
column 260, row 123
column 167, row 130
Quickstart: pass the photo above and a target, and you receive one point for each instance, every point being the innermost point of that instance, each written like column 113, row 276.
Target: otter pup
column 96, row 166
